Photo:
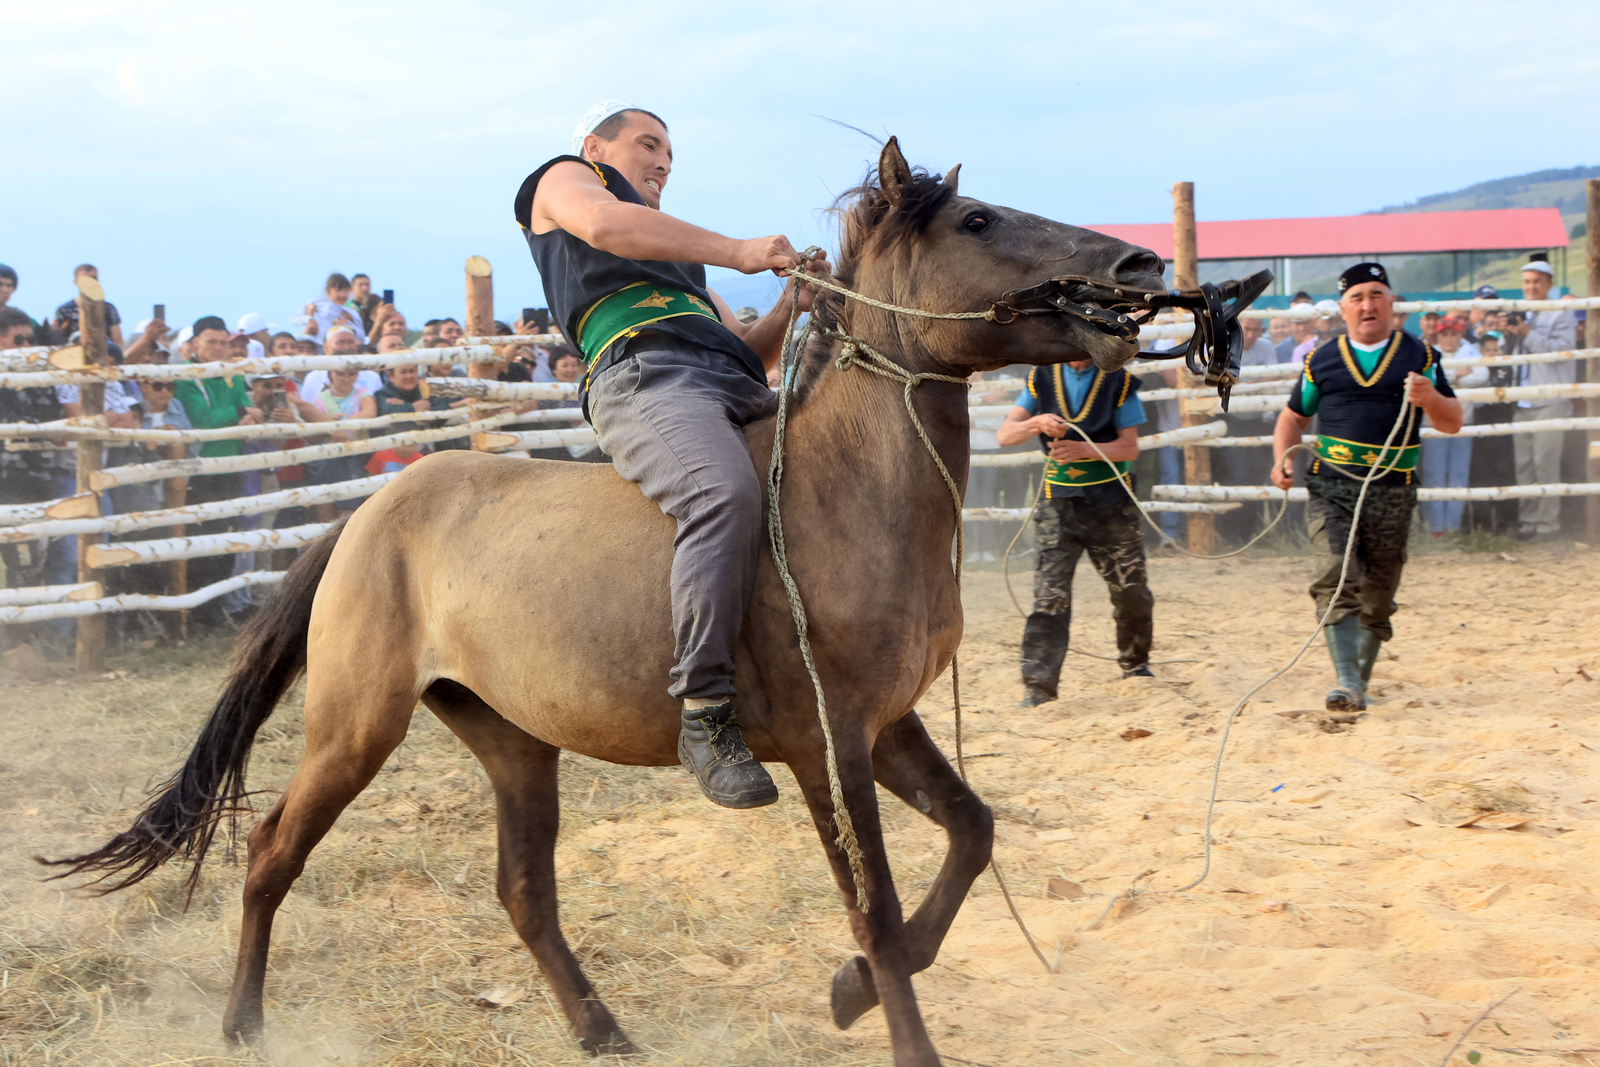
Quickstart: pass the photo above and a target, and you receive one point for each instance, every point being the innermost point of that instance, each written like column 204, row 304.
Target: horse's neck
column 850, row 435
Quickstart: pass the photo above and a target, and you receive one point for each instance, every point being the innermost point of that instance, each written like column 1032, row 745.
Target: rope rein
column 858, row 353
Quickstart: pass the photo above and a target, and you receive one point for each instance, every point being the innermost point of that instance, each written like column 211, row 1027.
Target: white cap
column 1328, row 308
column 341, row 328
column 592, row 118
column 250, row 322
column 185, row 335
column 144, row 324
column 255, row 350
column 1539, row 265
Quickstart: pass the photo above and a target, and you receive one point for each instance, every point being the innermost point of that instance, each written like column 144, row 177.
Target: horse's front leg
column 878, row 928
column 910, row 766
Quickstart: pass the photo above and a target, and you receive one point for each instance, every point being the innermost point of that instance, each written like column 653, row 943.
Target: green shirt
column 215, row 402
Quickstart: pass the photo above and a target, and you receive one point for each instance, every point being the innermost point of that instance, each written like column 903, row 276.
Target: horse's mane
column 867, row 228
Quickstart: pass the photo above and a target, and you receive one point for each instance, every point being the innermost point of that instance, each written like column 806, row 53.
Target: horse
column 525, row 604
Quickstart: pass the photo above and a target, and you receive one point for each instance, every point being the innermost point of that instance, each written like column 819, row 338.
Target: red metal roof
column 1499, row 229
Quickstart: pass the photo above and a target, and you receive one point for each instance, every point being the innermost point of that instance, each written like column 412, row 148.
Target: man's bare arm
column 572, row 197
column 1285, row 435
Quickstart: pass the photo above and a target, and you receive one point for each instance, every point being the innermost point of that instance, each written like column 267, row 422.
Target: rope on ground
column 1405, row 419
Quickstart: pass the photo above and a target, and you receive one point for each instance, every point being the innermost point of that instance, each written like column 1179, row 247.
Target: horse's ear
column 894, row 173
column 952, row 181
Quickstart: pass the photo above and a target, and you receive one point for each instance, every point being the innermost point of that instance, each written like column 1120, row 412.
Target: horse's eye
column 977, row 223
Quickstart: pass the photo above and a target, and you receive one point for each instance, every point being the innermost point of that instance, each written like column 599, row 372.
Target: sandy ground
column 1355, row 912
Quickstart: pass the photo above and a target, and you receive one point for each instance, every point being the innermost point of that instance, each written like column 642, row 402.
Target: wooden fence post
column 1186, row 275
column 480, row 323
column 91, row 651
column 1591, row 339
column 175, row 494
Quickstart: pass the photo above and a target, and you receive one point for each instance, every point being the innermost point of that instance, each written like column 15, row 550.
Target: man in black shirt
column 673, row 378
column 1358, row 384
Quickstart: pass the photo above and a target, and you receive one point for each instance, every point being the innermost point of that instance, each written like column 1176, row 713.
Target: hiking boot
column 712, row 748
column 1344, row 640
column 1033, row 696
column 1141, row 671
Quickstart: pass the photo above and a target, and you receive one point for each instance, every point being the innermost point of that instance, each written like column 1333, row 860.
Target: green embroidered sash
column 631, row 308
column 1356, row 454
column 1083, row 471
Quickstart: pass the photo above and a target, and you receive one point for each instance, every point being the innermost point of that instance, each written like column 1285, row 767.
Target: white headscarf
column 594, row 117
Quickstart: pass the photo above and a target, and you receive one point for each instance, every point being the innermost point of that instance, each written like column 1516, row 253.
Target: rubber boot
column 1367, row 653
column 1344, row 639
column 712, row 748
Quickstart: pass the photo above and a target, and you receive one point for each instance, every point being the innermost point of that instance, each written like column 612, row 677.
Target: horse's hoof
column 854, row 993
column 241, row 1035
column 614, row 1044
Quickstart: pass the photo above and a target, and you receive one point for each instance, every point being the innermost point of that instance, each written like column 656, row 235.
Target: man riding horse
column 673, row 379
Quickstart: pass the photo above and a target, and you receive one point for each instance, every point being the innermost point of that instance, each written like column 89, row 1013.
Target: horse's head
column 912, row 239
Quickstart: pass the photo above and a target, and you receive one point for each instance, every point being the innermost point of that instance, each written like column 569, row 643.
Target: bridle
column 1212, row 353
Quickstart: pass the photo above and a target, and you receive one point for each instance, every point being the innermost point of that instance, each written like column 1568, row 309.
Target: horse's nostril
column 1139, row 264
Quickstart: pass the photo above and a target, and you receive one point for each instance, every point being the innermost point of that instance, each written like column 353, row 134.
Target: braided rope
column 851, row 294
column 846, row 839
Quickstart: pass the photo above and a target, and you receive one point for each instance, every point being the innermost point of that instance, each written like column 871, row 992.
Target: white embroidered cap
column 1540, row 265
column 594, row 117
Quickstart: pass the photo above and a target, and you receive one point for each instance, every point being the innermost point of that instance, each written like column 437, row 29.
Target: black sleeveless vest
column 1092, row 479
column 1357, row 409
column 575, row 275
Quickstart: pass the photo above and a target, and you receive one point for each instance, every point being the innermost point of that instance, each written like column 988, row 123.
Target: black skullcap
column 209, row 322
column 1363, row 272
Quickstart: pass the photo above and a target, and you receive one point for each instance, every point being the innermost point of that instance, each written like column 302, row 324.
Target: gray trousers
column 1539, row 463
column 671, row 417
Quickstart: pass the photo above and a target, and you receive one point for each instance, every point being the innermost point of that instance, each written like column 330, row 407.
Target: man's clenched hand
column 766, row 253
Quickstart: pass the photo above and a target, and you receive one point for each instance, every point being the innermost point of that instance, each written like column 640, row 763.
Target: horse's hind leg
column 910, row 765
column 350, row 731
column 523, row 770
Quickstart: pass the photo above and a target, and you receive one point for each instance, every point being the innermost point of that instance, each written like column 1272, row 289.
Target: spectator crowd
column 348, row 318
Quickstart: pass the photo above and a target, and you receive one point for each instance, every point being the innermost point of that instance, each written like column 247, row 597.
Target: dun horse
column 525, row 604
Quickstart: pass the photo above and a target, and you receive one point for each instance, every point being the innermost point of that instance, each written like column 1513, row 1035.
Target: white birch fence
column 1265, row 389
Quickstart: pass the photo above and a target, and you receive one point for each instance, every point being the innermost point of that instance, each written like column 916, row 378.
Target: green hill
column 1560, row 189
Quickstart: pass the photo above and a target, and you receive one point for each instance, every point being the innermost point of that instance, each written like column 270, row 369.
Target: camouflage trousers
column 1380, row 548
column 1065, row 529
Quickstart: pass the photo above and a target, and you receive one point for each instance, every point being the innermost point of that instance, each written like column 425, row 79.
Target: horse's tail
column 189, row 806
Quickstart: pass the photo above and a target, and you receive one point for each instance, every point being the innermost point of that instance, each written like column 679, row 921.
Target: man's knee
column 731, row 499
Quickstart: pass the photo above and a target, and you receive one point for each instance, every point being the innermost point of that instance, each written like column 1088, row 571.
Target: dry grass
column 710, row 937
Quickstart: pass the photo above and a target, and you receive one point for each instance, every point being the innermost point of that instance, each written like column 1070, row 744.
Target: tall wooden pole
column 1186, row 275
column 1591, row 339
column 175, row 495
column 480, row 322
column 91, row 651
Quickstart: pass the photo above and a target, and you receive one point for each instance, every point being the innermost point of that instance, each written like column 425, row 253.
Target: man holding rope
column 1359, row 384
column 673, row 378
column 1084, row 507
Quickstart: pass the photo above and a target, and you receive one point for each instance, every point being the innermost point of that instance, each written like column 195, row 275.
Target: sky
column 224, row 158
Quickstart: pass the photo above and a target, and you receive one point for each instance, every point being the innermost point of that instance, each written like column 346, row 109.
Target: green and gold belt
column 1083, row 471
column 1356, row 454
column 630, row 308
